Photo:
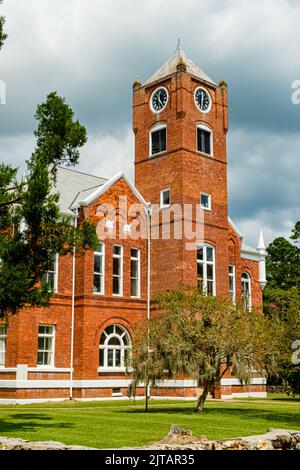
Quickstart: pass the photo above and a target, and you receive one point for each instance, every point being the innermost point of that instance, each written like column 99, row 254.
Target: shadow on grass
column 30, row 416
column 291, row 399
column 30, row 422
column 276, row 416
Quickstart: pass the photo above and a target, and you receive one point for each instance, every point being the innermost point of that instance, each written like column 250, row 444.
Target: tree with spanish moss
column 203, row 338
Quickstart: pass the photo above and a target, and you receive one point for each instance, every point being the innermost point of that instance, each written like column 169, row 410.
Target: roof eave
column 87, row 201
column 167, row 77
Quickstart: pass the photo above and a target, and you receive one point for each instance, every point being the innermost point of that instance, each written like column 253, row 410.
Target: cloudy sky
column 90, row 51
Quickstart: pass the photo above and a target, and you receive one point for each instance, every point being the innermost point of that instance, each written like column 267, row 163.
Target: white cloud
column 90, row 51
column 106, row 155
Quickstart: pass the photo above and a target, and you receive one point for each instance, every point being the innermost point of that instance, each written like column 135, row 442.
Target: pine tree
column 32, row 230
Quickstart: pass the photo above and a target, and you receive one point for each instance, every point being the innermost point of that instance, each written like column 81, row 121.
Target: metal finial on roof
column 178, row 44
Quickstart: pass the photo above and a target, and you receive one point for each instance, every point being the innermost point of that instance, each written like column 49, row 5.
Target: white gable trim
column 234, row 227
column 102, row 189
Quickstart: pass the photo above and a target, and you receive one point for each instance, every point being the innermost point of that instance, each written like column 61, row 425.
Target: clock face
column 202, row 99
column 159, row 99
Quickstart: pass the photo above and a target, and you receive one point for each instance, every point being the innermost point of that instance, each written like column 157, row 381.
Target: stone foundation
column 181, row 439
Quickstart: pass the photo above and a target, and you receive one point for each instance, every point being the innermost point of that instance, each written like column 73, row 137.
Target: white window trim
column 42, row 335
column 209, row 202
column 208, row 129
column 205, row 263
column 3, row 336
column 248, row 280
column 161, row 203
column 155, row 128
column 232, row 275
column 121, row 275
column 105, row 347
column 138, row 259
column 103, row 268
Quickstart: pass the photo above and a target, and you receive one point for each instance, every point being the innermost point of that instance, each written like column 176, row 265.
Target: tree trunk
column 146, row 404
column 202, row 398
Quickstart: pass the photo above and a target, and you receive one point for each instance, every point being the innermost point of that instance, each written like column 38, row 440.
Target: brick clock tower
column 180, row 121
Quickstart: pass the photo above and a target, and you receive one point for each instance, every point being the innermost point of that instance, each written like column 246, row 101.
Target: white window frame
column 204, row 262
column 138, row 259
column 157, row 127
column 120, row 276
column 207, row 129
column 209, row 202
column 232, row 293
column 161, row 203
column 106, row 347
column 102, row 257
column 56, row 264
column 3, row 336
column 47, row 335
column 247, row 301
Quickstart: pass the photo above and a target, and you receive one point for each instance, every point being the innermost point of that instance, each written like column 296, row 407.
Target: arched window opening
column 115, row 347
column 246, row 291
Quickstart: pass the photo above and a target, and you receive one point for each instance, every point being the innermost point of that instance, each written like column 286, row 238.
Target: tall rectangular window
column 158, row 140
column 46, row 345
column 165, row 198
column 135, row 275
column 206, row 269
column 232, row 283
column 204, row 140
column 50, row 277
column 2, row 345
column 117, row 270
column 246, row 291
column 99, row 269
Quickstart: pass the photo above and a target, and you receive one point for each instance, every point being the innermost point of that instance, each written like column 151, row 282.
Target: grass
column 123, row 423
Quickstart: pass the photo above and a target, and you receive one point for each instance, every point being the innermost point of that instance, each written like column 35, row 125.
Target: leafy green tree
column 3, row 35
column 296, row 232
column 282, row 303
column 283, row 262
column 32, row 230
column 284, row 307
column 201, row 337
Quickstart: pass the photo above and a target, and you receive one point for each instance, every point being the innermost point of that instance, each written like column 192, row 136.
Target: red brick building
column 171, row 228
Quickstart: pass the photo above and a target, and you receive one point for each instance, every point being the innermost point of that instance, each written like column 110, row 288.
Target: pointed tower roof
column 170, row 67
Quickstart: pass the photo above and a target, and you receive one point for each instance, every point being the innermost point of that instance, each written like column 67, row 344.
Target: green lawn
column 123, row 423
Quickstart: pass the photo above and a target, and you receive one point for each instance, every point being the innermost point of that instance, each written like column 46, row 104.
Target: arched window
column 204, row 139
column 158, row 139
column 206, row 278
column 246, row 291
column 115, row 346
